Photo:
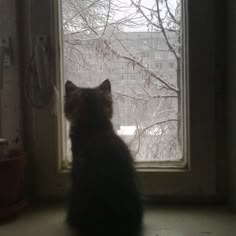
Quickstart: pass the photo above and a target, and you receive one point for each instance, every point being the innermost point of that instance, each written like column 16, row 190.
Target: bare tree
column 98, row 41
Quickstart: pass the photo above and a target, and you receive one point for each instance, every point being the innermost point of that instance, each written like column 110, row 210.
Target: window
column 100, row 68
column 138, row 53
column 132, row 77
column 158, row 65
column 171, row 65
column 176, row 177
column 160, row 132
column 158, row 55
column 122, row 78
column 171, row 55
column 146, row 54
column 171, row 77
column 99, row 57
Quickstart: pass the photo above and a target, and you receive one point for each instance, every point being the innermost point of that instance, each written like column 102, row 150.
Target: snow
column 126, row 130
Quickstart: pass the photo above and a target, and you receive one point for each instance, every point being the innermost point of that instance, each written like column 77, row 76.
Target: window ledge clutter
column 12, row 164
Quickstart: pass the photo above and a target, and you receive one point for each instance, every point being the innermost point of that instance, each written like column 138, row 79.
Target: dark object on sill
column 10, row 213
column 11, row 184
column 3, row 148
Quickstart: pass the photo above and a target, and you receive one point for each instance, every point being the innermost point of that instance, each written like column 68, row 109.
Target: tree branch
column 156, row 123
column 107, row 17
column 171, row 14
column 144, row 99
column 164, row 32
column 133, row 60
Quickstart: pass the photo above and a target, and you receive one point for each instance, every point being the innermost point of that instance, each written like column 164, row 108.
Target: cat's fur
column 104, row 199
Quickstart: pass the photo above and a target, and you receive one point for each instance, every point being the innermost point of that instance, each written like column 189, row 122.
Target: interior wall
column 40, row 125
column 219, row 57
column 231, row 97
column 10, row 102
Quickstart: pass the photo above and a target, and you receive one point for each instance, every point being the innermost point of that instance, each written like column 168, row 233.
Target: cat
column 104, row 198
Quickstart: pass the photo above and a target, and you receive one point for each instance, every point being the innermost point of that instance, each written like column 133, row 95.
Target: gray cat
column 104, row 198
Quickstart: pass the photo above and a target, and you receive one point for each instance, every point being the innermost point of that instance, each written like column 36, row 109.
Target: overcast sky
column 129, row 9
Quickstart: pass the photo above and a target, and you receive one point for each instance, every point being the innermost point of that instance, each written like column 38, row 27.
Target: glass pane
column 137, row 44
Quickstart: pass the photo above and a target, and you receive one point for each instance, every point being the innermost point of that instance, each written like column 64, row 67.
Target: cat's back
column 108, row 156
column 113, row 186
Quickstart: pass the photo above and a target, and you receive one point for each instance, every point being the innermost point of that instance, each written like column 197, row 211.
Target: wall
column 41, row 127
column 231, row 97
column 10, row 115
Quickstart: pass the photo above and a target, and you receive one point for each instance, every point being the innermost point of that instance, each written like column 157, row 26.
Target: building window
column 171, row 65
column 158, row 55
column 158, row 65
column 132, row 77
column 100, row 57
column 171, row 55
column 100, row 68
column 145, row 54
column 138, row 53
column 171, row 77
column 122, row 77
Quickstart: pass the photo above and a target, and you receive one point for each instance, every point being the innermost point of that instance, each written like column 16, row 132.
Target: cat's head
column 86, row 105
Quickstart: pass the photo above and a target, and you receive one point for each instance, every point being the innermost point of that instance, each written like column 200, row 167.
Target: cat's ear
column 69, row 87
column 105, row 86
